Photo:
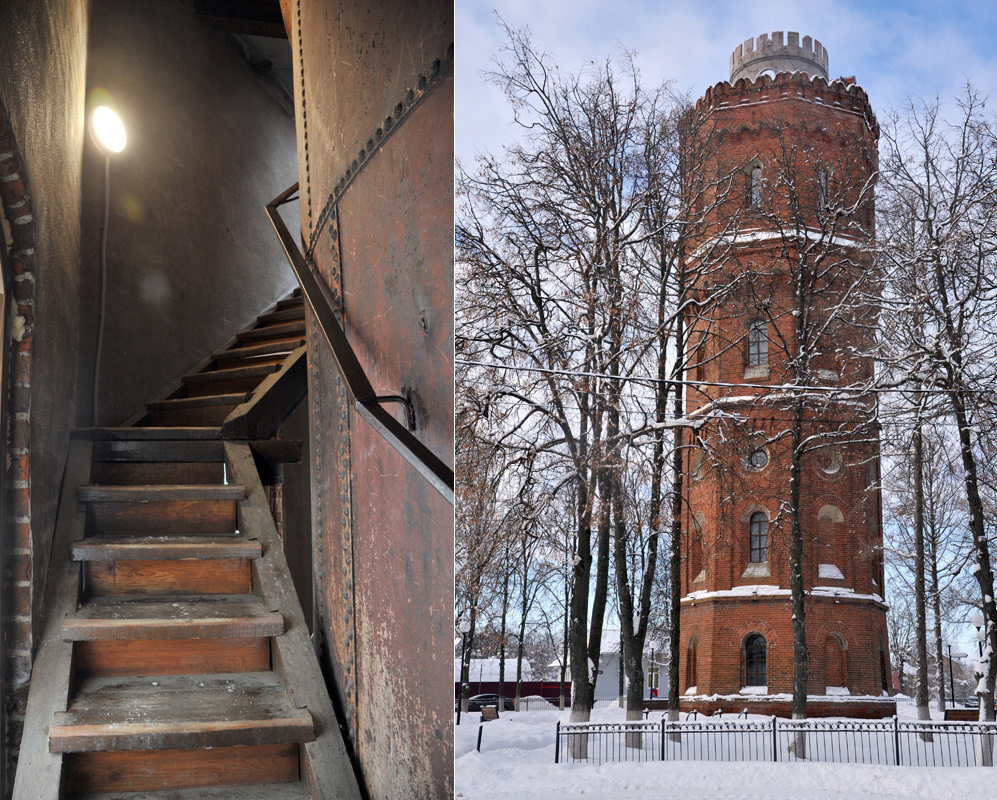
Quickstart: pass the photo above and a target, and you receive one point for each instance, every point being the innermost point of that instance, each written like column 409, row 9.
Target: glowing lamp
column 107, row 130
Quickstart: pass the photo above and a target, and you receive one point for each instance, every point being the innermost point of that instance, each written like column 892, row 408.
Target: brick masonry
column 17, row 540
column 828, row 132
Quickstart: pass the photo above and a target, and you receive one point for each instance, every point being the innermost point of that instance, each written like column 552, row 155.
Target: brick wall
column 17, row 577
column 816, row 145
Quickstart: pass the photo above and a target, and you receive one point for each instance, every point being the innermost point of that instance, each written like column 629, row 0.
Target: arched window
column 690, row 663
column 835, row 673
column 699, row 357
column 756, row 186
column 759, row 533
column 696, row 548
column 757, row 354
column 755, row 657
column 822, row 188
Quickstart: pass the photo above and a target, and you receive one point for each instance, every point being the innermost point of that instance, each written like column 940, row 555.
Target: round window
column 698, row 465
column 830, row 460
column 758, row 459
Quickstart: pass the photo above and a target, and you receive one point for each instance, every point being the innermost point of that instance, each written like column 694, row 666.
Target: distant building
column 607, row 685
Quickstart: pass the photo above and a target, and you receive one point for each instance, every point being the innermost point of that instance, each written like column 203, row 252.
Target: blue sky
column 894, row 49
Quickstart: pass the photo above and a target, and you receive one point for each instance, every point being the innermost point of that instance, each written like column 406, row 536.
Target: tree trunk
column 796, row 567
column 984, row 571
column 920, row 613
column 936, row 612
column 502, row 631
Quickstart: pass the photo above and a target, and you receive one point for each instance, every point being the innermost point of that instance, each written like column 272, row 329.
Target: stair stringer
column 326, row 769
column 39, row 772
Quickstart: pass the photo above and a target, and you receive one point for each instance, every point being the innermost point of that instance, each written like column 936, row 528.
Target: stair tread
column 233, row 399
column 94, row 493
column 273, row 331
column 267, row 349
column 146, row 433
column 144, row 547
column 294, row 312
column 256, row 791
column 235, row 373
column 179, row 711
column 207, row 616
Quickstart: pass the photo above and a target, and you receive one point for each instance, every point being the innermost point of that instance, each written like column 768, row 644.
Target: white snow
column 830, row 572
column 516, row 762
column 839, row 690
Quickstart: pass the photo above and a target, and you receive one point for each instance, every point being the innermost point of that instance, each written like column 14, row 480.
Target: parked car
column 973, row 701
column 475, row 703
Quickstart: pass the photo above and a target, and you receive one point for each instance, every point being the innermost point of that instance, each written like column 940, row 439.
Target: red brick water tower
column 780, row 121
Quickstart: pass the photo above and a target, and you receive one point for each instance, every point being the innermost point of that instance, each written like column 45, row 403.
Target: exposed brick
column 22, row 502
column 18, row 568
column 11, row 192
column 20, row 467
column 847, row 639
column 22, row 535
column 21, row 600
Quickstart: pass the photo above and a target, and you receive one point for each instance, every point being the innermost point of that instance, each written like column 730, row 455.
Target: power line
column 718, row 384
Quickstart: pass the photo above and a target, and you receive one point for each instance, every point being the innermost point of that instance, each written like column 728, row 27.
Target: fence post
column 775, row 741
column 480, row 727
column 557, row 742
column 896, row 738
column 662, row 737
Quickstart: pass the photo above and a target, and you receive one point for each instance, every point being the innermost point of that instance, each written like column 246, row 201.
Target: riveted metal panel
column 374, row 101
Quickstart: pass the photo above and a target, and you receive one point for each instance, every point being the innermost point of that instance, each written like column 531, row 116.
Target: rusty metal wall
column 374, row 106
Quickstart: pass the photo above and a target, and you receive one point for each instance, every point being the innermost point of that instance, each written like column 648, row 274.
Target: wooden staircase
column 175, row 660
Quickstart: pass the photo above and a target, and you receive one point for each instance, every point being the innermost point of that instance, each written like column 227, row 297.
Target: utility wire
column 720, row 384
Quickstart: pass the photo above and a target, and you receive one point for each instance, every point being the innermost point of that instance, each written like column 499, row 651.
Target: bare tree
column 940, row 180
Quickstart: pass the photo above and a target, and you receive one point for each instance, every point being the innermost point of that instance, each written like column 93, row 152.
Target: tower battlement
column 773, row 52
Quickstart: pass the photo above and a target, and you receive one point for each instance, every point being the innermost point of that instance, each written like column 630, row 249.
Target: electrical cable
column 103, row 284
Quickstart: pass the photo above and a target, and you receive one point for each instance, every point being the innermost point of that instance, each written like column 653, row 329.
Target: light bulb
column 108, row 130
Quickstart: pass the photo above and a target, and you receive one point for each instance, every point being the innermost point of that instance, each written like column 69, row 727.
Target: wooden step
column 227, row 381
column 157, row 510
column 173, row 434
column 131, row 473
column 179, row 711
column 142, row 450
column 288, row 314
column 272, row 332
column 146, row 548
column 158, row 578
column 238, row 616
column 270, row 352
column 196, row 411
column 170, row 636
column 125, row 772
column 257, row 791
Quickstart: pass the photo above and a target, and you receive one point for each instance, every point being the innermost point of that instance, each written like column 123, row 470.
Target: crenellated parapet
column 772, row 52
column 841, row 94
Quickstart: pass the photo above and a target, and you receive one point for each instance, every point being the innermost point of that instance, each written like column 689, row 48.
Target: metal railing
column 365, row 401
column 914, row 743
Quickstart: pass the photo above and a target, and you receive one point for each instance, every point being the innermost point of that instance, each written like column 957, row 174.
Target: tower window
column 758, row 344
column 755, row 657
column 759, row 533
column 756, row 186
column 690, row 663
column 822, row 187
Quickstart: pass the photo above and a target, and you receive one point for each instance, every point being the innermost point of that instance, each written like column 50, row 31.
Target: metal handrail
column 365, row 401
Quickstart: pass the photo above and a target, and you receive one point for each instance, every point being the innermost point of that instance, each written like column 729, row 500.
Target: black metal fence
column 915, row 743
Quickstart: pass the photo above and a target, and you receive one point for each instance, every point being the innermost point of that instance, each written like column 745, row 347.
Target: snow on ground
column 516, row 762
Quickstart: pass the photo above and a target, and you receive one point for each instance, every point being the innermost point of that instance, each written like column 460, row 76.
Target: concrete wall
column 191, row 256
